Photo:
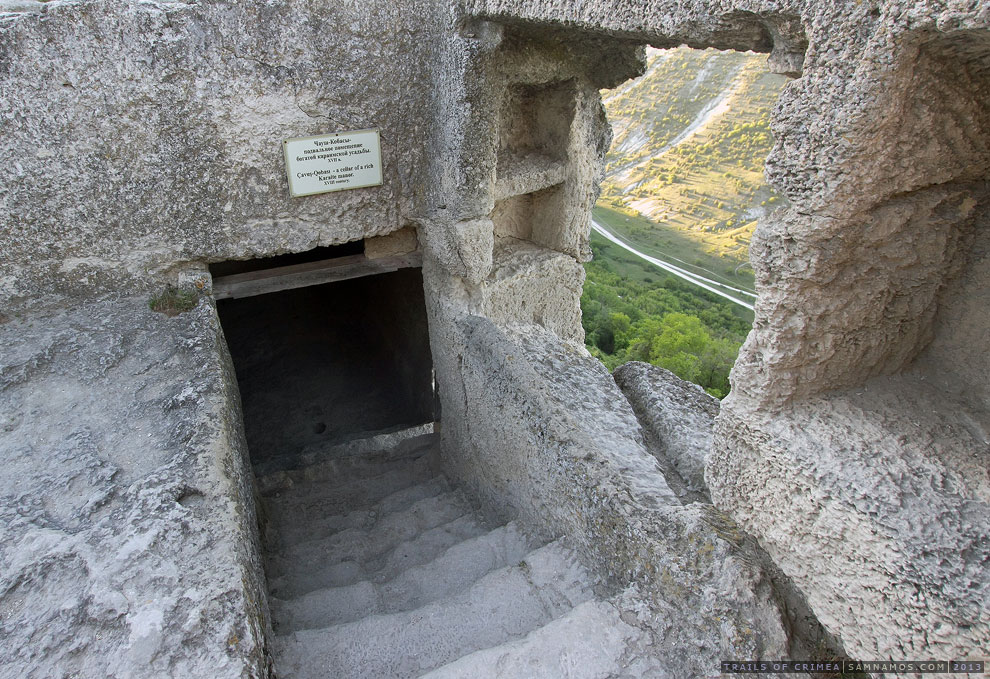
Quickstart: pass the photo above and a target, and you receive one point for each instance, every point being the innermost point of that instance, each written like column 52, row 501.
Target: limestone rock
column 142, row 141
column 551, row 440
column 463, row 249
column 533, row 284
column 877, row 271
column 170, row 123
column 397, row 243
column 678, row 417
column 889, row 494
column 127, row 535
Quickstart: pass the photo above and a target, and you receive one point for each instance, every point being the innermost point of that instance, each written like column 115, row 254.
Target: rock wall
column 532, row 424
column 678, row 417
column 543, row 435
column 861, row 370
column 143, row 135
column 859, row 420
column 128, row 539
column 874, row 501
column 142, row 142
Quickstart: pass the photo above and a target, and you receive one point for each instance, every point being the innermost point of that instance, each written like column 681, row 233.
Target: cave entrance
column 320, row 364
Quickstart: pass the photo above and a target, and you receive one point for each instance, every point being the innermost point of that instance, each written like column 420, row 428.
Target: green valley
column 683, row 184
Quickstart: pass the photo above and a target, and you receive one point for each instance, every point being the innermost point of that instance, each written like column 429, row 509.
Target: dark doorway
column 332, row 362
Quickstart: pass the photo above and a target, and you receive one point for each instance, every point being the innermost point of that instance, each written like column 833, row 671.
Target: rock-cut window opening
column 681, row 195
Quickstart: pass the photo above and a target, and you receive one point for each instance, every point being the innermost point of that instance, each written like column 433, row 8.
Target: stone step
column 362, row 464
column 453, row 571
column 306, row 502
column 358, row 444
column 363, row 545
column 504, row 605
column 338, row 573
column 287, row 529
column 589, row 642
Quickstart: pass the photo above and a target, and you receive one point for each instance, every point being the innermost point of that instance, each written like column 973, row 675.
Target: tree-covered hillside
column 633, row 312
column 683, row 183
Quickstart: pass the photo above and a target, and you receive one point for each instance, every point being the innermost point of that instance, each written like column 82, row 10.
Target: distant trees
column 684, row 346
column 670, row 324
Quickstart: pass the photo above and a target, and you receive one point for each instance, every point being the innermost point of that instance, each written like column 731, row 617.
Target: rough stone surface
column 677, row 417
column 164, row 144
column 142, row 142
column 878, row 267
column 128, row 545
column 397, row 243
column 886, row 518
column 424, row 584
column 607, row 645
column 524, row 134
column 535, row 285
column 552, row 441
column 882, row 140
column 464, row 249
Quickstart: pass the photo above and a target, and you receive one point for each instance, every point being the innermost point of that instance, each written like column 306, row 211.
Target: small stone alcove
column 953, row 87
column 325, row 363
column 916, row 270
column 534, row 128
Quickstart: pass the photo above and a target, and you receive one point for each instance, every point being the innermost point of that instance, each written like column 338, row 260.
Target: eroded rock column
column 855, row 443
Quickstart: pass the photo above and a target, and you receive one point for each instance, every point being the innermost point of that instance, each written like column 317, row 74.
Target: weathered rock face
column 142, row 135
column 544, row 435
column 877, row 268
column 142, row 140
column 677, row 417
column 129, row 542
column 885, row 517
column 847, row 477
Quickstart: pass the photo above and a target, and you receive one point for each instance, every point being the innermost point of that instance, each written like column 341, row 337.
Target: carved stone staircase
column 379, row 568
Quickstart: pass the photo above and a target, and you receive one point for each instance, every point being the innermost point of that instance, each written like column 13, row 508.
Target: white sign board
column 333, row 162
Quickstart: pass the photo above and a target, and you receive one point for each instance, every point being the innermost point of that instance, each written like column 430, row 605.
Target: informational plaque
column 333, row 162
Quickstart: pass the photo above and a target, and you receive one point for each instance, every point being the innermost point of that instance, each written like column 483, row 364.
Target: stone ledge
column 129, row 544
column 678, row 417
column 876, row 502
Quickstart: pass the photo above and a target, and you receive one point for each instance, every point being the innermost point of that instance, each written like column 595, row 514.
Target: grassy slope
column 632, row 311
column 673, row 245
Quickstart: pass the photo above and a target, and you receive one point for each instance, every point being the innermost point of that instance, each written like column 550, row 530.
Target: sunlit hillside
column 690, row 140
column 684, row 184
